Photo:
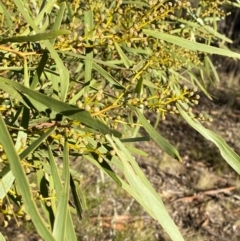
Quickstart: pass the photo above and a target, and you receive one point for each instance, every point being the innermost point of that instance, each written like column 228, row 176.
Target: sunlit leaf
column 138, row 181
column 123, row 56
column 21, row 179
column 227, row 153
column 191, row 45
column 158, row 139
column 65, row 109
column 36, row 37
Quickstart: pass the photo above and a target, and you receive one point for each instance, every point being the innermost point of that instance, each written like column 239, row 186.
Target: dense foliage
column 76, row 80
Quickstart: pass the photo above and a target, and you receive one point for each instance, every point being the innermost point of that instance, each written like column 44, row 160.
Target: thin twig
column 202, row 193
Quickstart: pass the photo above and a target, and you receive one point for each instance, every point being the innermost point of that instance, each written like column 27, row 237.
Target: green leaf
column 137, row 151
column 158, row 139
column 2, row 238
column 89, row 31
column 60, row 223
column 124, row 58
column 136, row 139
column 70, row 234
column 21, row 179
column 146, row 51
column 46, row 9
column 200, row 85
column 54, row 183
column 22, row 134
column 54, row 172
column 36, row 37
column 76, row 197
column 191, row 45
column 58, row 20
column 7, row 179
column 139, row 86
column 78, row 57
column 65, row 109
column 106, row 168
column 14, row 93
column 36, row 144
column 227, row 153
column 205, row 29
column 144, row 189
column 39, row 70
column 106, row 75
column 7, row 17
column 63, row 72
column 137, row 3
column 233, row 4
column 212, row 68
column 78, row 95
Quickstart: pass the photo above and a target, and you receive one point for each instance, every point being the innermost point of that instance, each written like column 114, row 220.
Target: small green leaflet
column 36, row 37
